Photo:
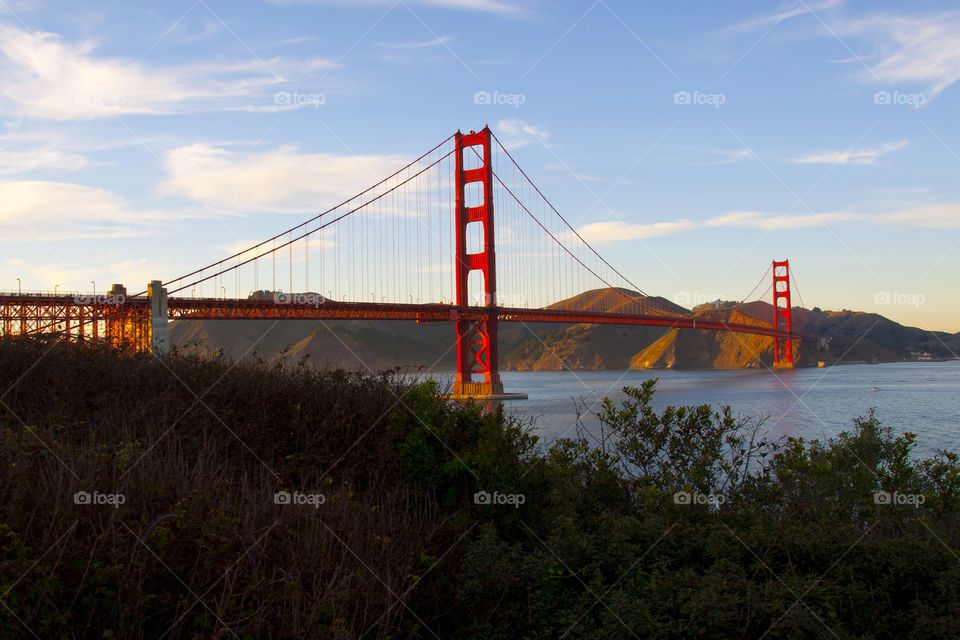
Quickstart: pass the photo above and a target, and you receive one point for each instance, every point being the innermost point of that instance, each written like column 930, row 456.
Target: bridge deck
column 60, row 308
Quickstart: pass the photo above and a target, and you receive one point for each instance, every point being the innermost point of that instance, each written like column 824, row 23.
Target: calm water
column 922, row 397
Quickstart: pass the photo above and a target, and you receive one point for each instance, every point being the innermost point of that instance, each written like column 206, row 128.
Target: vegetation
column 438, row 519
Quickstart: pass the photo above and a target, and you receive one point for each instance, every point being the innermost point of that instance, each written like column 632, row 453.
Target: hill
column 851, row 337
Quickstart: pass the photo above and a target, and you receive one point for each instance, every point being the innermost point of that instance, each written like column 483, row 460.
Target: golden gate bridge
column 461, row 235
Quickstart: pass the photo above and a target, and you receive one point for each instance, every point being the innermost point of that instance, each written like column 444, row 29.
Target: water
column 920, row 397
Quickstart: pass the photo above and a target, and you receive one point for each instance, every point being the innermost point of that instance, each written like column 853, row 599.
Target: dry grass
column 199, row 548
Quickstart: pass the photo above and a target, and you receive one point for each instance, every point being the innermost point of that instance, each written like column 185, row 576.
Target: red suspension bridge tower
column 782, row 346
column 476, row 339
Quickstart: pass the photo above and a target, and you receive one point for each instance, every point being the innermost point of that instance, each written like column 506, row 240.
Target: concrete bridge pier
column 159, row 328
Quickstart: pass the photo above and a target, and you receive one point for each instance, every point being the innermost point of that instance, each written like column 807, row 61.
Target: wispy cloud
column 937, row 216
column 435, row 42
column 601, row 232
column 20, row 161
column 47, row 77
column 515, row 133
column 910, row 48
column 284, row 180
column 775, row 222
column 510, row 8
column 851, row 156
column 46, row 210
column 894, row 48
column 793, row 10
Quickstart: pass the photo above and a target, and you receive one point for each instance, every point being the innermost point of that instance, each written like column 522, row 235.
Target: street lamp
column 55, row 289
column 224, row 290
column 19, row 290
column 94, row 287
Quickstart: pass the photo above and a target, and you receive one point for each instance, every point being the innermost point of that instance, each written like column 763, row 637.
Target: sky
column 691, row 143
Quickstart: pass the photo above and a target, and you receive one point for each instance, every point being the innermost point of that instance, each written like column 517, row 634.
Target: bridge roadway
column 70, row 307
column 237, row 309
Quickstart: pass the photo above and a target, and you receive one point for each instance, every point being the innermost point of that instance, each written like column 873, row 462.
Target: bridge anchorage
column 460, row 235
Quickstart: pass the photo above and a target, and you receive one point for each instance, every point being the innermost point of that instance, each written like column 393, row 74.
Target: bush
column 681, row 523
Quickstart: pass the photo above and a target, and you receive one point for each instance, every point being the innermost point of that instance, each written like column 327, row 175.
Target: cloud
column 48, row 77
column 936, row 216
column 44, row 210
column 600, row 232
column 914, row 48
column 910, row 48
column 436, row 42
column 774, row 222
column 12, row 161
column 515, row 133
column 489, row 6
column 850, row 156
column 283, row 180
column 763, row 23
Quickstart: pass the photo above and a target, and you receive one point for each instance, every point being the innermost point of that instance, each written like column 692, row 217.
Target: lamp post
column 19, row 290
column 94, row 287
column 55, row 289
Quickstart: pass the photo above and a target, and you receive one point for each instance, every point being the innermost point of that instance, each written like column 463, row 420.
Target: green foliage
column 795, row 542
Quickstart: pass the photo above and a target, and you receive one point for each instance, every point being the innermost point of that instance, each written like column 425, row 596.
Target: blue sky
column 692, row 142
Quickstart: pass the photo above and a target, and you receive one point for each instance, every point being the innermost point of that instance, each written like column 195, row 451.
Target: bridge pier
column 159, row 328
